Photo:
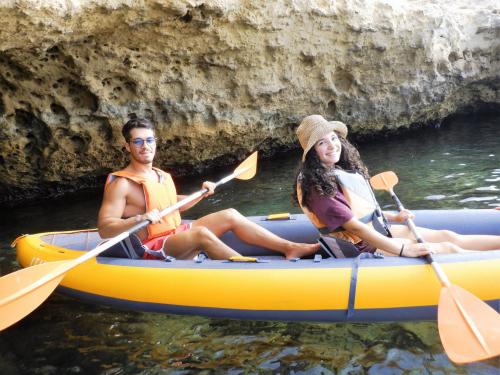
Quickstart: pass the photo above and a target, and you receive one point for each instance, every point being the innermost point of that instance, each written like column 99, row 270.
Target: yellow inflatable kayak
column 316, row 289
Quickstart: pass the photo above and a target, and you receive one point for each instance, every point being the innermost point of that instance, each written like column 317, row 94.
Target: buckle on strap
column 200, row 257
column 169, row 259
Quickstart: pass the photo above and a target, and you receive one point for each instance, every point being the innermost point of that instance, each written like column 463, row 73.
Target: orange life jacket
column 361, row 200
column 157, row 194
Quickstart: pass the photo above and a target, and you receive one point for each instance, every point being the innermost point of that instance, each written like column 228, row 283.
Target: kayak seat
column 130, row 248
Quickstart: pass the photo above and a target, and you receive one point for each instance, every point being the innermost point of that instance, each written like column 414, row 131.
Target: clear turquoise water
column 456, row 166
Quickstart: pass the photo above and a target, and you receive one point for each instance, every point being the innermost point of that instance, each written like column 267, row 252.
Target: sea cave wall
column 223, row 78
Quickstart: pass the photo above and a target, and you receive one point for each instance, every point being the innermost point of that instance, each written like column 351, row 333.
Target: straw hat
column 314, row 127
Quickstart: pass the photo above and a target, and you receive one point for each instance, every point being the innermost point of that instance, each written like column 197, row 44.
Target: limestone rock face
column 222, row 78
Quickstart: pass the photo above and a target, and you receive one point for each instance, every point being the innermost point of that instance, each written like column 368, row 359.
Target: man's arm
column 206, row 185
column 109, row 220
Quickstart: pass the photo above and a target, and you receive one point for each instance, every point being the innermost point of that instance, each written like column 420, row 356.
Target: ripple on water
column 487, row 188
column 454, row 175
column 478, row 199
column 436, row 197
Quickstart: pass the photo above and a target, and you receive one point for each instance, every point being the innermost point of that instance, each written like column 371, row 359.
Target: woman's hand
column 415, row 250
column 210, row 186
column 402, row 216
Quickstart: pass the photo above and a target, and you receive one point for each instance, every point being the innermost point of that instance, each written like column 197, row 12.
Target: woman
column 332, row 189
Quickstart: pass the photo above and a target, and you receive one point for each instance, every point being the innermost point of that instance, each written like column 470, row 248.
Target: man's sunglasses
column 139, row 142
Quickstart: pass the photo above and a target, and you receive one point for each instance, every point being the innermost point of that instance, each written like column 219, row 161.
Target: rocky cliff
column 221, row 78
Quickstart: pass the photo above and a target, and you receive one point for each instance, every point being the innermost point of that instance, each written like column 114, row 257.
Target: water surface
column 456, row 166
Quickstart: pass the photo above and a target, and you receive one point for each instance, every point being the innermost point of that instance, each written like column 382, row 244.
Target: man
column 140, row 191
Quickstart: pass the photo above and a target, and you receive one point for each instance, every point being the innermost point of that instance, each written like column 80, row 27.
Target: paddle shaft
column 437, row 268
column 106, row 245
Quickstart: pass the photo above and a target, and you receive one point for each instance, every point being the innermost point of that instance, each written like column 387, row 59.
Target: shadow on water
column 456, row 166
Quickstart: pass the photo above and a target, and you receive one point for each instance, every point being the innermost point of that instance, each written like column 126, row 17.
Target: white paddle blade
column 384, row 181
column 468, row 327
column 247, row 169
column 18, row 298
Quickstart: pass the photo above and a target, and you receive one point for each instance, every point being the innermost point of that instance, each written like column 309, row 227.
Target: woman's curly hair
column 314, row 176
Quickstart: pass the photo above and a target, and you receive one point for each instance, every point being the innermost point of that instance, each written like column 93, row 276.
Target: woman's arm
column 399, row 217
column 334, row 212
column 390, row 245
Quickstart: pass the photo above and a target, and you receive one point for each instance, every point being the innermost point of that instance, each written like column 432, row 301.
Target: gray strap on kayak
column 128, row 248
column 325, row 230
column 354, row 280
column 133, row 247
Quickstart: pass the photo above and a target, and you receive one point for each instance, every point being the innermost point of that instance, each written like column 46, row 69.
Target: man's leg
column 231, row 220
column 186, row 245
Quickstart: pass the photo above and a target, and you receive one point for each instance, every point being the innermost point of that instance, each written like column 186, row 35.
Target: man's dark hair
column 135, row 122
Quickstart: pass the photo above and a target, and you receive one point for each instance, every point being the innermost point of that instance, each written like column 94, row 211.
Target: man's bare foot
column 299, row 250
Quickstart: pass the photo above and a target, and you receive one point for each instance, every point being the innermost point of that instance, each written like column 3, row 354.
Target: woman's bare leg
column 465, row 242
column 231, row 220
column 434, row 247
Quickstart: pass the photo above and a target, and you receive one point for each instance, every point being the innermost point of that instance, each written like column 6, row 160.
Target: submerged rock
column 222, row 78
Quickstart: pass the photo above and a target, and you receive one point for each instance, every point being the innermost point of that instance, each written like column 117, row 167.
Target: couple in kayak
column 328, row 185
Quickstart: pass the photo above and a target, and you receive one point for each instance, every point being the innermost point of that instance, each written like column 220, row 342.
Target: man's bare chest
column 135, row 198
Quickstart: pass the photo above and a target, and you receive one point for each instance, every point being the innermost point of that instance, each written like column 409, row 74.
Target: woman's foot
column 299, row 250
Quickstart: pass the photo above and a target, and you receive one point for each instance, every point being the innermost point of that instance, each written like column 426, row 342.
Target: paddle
column 23, row 291
column 468, row 327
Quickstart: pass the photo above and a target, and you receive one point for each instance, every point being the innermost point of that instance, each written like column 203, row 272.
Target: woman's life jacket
column 361, row 200
column 158, row 194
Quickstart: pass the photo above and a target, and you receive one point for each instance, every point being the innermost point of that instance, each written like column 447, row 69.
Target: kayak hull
column 327, row 289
